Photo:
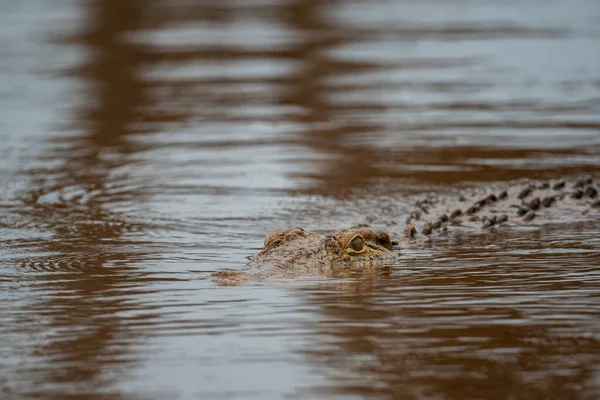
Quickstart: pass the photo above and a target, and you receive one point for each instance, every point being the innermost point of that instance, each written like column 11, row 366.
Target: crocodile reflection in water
column 295, row 251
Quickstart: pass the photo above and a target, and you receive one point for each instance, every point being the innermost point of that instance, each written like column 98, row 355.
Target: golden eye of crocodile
column 357, row 244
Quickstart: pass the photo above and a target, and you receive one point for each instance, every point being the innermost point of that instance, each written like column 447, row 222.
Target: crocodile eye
column 357, row 244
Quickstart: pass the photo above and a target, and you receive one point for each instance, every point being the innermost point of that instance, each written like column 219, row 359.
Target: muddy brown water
column 148, row 143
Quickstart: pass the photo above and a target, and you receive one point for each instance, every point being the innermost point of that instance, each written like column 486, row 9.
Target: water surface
column 146, row 144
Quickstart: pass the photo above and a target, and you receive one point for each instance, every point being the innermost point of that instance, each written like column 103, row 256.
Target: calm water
column 148, row 143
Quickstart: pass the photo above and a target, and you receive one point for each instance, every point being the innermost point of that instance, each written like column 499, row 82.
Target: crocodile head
column 295, row 249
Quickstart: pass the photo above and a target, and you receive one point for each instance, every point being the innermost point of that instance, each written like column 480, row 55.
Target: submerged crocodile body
column 292, row 252
column 525, row 202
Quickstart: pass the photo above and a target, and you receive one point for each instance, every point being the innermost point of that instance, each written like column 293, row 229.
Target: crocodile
column 292, row 252
column 492, row 207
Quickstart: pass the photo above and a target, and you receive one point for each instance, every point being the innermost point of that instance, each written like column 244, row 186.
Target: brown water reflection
column 456, row 331
column 156, row 141
column 83, row 275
